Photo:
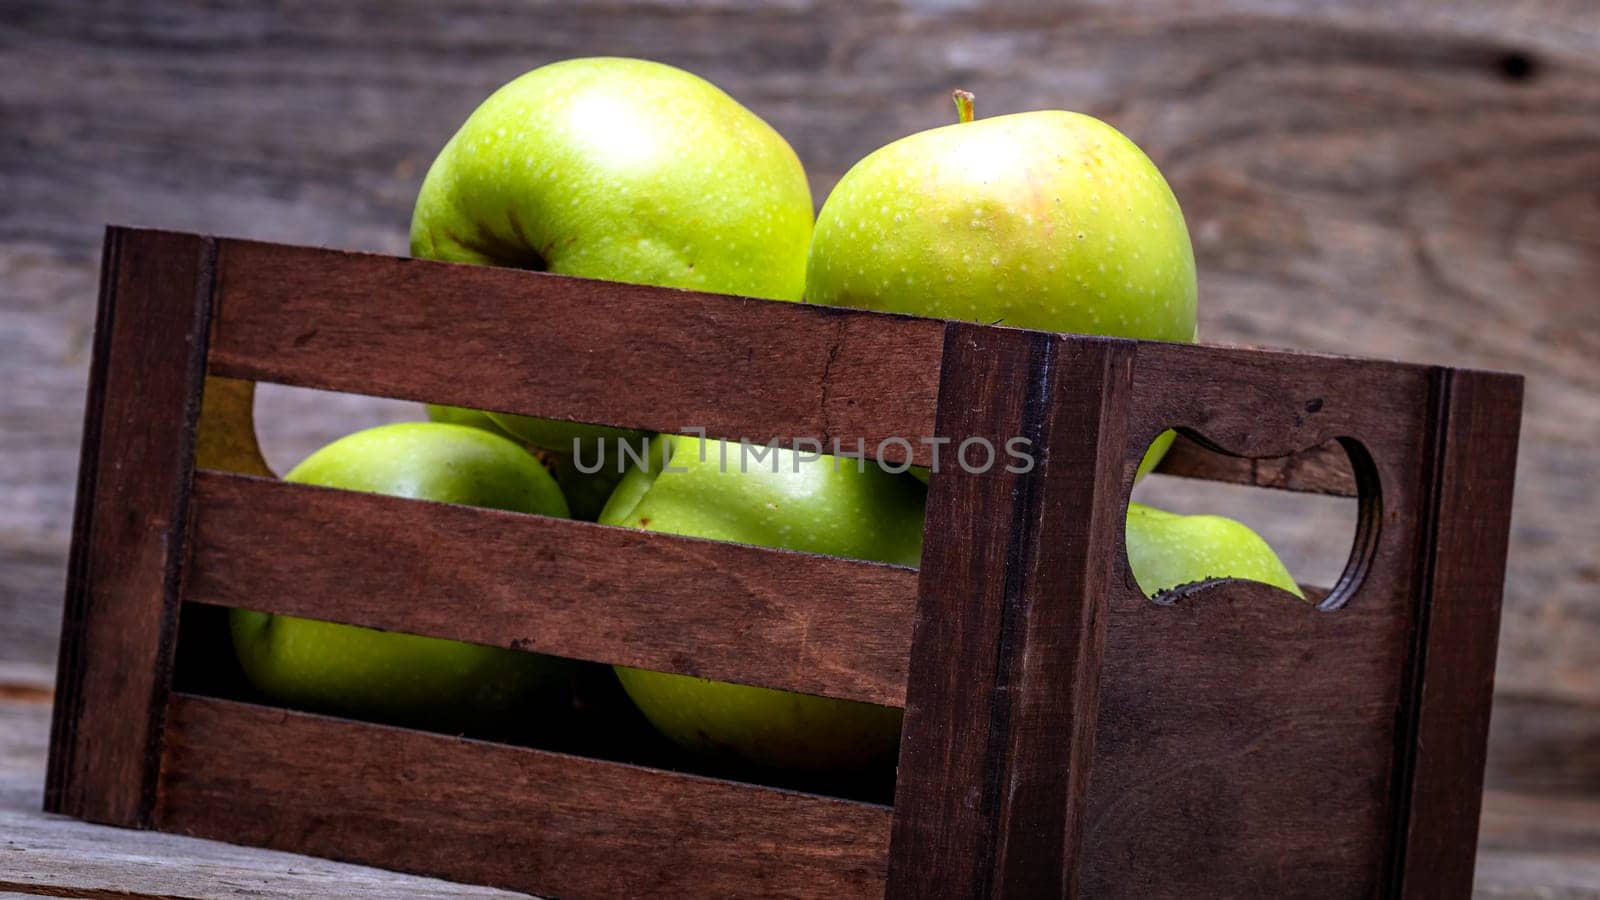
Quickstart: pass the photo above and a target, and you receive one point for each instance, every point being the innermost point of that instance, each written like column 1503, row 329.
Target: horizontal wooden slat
column 572, row 348
column 731, row 612
column 504, row 816
column 671, row 360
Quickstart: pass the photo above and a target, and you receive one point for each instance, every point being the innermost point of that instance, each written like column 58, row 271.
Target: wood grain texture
column 1001, row 704
column 1542, row 746
column 582, row 828
column 1226, row 767
column 539, row 344
column 1463, row 574
column 130, row 532
column 1228, row 721
column 724, row 611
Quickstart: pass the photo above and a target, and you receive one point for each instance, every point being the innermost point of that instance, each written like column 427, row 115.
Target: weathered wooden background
column 1415, row 180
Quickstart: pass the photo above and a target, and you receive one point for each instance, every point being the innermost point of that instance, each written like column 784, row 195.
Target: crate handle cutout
column 1326, row 469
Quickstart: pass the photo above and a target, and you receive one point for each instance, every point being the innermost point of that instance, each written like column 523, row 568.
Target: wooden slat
column 1469, row 523
column 130, row 528
column 1535, row 844
column 1005, row 662
column 573, row 348
column 503, row 816
column 732, row 612
column 555, row 346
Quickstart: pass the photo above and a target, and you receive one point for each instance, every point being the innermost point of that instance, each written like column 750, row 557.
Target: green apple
column 1166, row 550
column 403, row 678
column 625, row 170
column 586, row 492
column 843, row 511
column 461, row 415
column 1049, row 220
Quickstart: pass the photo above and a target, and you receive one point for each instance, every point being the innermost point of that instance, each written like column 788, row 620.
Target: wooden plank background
column 1408, row 179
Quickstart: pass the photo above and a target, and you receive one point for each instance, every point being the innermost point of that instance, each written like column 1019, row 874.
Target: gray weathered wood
column 1411, row 180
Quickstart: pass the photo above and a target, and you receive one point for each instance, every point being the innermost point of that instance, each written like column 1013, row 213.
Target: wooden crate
column 1063, row 734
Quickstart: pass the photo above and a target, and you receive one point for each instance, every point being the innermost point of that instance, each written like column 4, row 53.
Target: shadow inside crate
column 595, row 719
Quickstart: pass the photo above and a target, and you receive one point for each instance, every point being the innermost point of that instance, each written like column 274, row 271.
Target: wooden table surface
column 1533, row 846
column 1412, row 180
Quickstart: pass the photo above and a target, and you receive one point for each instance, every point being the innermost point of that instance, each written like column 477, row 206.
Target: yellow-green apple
column 586, row 492
column 815, row 507
column 1166, row 550
column 625, row 170
column 461, row 415
column 1049, row 220
column 403, row 678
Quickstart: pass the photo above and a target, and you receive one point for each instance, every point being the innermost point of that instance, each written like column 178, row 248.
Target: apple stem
column 963, row 104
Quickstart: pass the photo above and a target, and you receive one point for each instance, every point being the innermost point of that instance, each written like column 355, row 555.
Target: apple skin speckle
column 625, row 170
column 625, row 148
column 1054, row 200
column 1166, row 550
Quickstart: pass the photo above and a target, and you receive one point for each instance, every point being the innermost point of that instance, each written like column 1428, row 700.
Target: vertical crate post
column 1465, row 531
column 130, row 525
column 1004, row 671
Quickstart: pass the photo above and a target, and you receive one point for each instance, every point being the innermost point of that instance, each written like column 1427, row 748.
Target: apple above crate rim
column 622, row 169
column 1049, row 220
column 1058, row 724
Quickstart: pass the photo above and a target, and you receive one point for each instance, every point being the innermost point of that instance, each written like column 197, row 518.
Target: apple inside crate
column 1063, row 734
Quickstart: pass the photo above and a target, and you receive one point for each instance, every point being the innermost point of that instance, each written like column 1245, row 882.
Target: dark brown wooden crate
column 300, row 316
column 1064, row 734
